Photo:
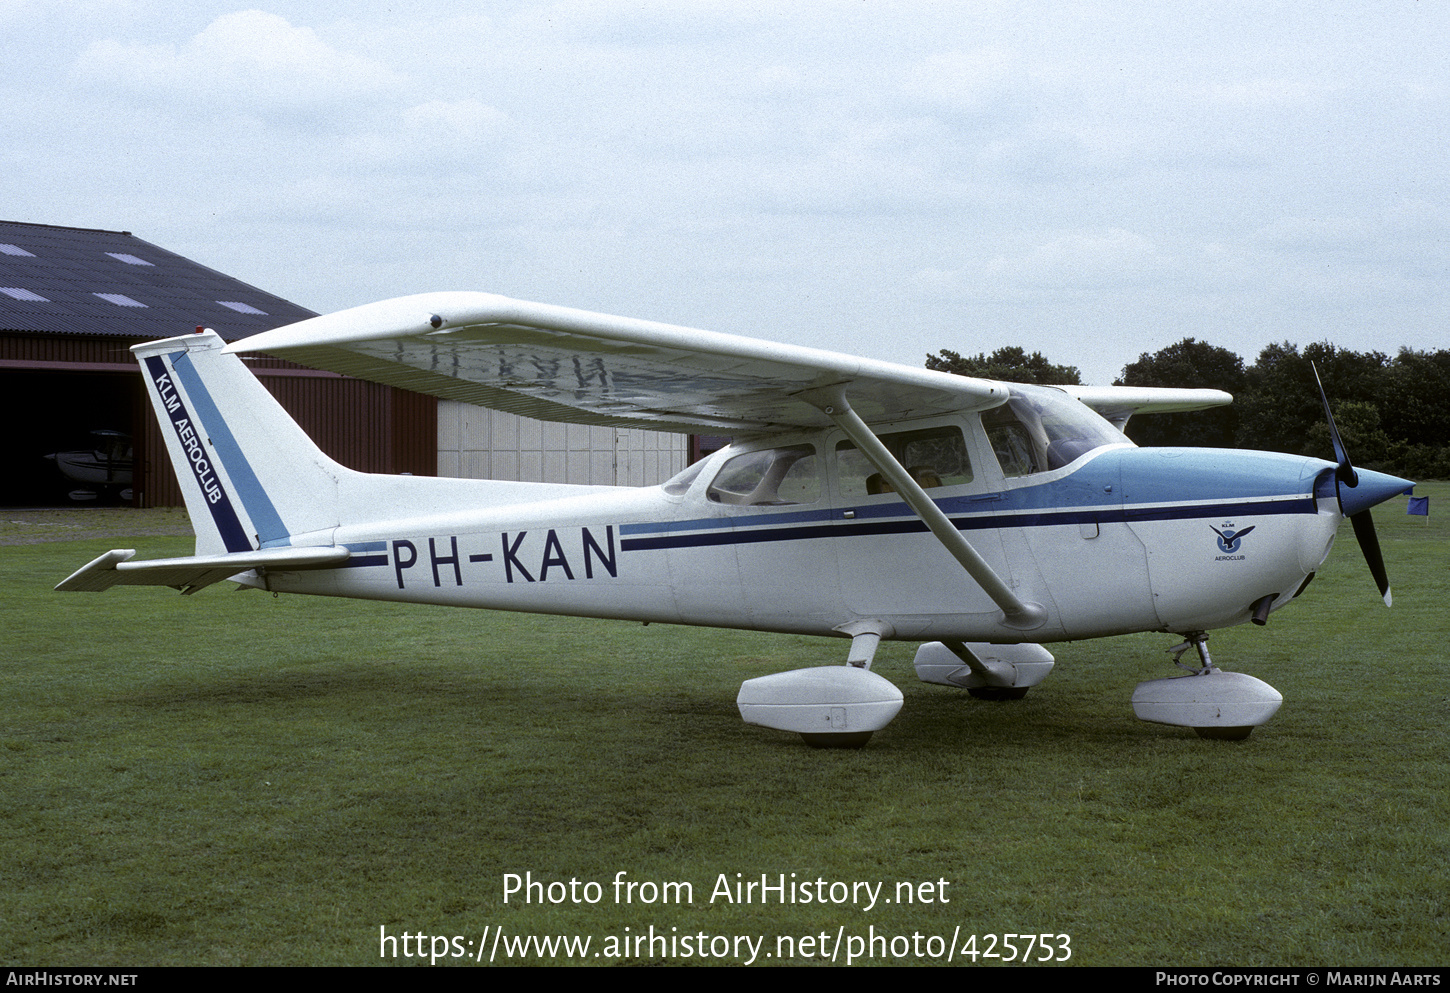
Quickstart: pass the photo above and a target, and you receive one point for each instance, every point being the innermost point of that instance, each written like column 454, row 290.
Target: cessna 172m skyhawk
column 860, row 499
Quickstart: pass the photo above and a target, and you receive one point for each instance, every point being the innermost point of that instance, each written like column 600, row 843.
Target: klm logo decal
column 1230, row 540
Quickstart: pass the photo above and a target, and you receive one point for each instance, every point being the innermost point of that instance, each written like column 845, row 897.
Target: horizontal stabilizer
column 190, row 573
column 1118, row 403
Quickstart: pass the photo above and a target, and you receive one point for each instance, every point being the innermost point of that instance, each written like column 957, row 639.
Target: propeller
column 1345, row 474
column 1357, row 492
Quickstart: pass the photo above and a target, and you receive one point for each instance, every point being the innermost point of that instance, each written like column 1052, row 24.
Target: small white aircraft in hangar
column 860, row 499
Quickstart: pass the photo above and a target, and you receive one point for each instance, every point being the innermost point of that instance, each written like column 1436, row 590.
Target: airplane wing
column 190, row 573
column 560, row 364
column 1118, row 403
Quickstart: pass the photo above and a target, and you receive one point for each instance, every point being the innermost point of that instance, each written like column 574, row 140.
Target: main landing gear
column 834, row 706
column 1216, row 704
column 830, row 706
column 987, row 672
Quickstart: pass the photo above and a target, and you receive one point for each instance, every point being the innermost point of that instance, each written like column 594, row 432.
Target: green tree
column 1188, row 364
column 1282, row 410
column 1416, row 405
column 1359, row 429
column 1011, row 364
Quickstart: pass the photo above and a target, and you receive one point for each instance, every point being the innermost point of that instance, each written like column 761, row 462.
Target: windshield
column 1039, row 429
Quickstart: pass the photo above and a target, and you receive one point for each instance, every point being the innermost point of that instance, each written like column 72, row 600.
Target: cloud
column 1083, row 259
column 435, row 134
column 246, row 58
column 1315, row 233
column 644, row 22
column 964, row 81
column 1270, row 93
column 454, row 122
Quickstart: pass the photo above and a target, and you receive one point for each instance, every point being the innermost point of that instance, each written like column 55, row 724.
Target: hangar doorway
column 89, row 419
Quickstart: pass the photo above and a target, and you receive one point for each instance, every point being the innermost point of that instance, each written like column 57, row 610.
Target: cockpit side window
column 679, row 483
column 770, row 477
column 933, row 457
column 1016, row 437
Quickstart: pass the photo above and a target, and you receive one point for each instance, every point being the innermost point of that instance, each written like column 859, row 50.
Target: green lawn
column 238, row 778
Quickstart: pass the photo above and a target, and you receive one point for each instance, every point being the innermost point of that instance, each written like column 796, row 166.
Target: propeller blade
column 1345, row 473
column 1369, row 544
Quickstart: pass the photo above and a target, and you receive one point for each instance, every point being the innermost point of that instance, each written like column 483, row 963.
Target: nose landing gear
column 1216, row 704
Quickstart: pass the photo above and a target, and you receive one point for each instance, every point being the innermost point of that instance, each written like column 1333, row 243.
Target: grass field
column 241, row 779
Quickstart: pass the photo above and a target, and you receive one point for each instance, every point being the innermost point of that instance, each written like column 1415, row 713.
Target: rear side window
column 679, row 483
column 770, row 477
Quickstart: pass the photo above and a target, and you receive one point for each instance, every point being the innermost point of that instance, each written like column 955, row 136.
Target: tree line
column 1393, row 412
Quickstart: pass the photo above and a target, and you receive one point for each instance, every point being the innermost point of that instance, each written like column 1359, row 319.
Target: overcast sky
column 1089, row 180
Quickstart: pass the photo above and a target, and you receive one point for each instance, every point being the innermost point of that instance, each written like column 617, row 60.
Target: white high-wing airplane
column 860, row 499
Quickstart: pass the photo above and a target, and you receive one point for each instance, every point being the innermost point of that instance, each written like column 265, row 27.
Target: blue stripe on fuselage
column 1119, row 485
column 913, row 525
column 366, row 553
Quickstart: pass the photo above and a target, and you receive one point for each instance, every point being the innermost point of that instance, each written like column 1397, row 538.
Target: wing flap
column 555, row 363
column 191, row 572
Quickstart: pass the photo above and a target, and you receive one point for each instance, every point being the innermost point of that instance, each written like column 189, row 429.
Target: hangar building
column 73, row 301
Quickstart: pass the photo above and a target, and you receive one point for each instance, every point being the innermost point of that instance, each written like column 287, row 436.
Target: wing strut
column 1020, row 613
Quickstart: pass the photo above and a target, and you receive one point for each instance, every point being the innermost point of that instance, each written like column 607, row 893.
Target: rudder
column 251, row 477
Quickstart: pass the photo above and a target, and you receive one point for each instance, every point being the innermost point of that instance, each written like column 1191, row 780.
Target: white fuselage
column 1120, row 540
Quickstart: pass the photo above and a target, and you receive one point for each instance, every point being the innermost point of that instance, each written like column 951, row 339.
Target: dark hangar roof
column 56, row 280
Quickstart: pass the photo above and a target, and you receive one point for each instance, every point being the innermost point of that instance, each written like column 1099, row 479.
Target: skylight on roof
column 19, row 294
column 16, row 250
column 128, row 259
column 241, row 308
column 119, row 299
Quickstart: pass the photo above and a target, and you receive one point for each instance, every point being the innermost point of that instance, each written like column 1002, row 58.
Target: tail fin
column 251, row 477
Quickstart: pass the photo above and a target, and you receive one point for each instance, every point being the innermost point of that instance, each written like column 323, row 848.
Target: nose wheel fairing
column 1216, row 704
